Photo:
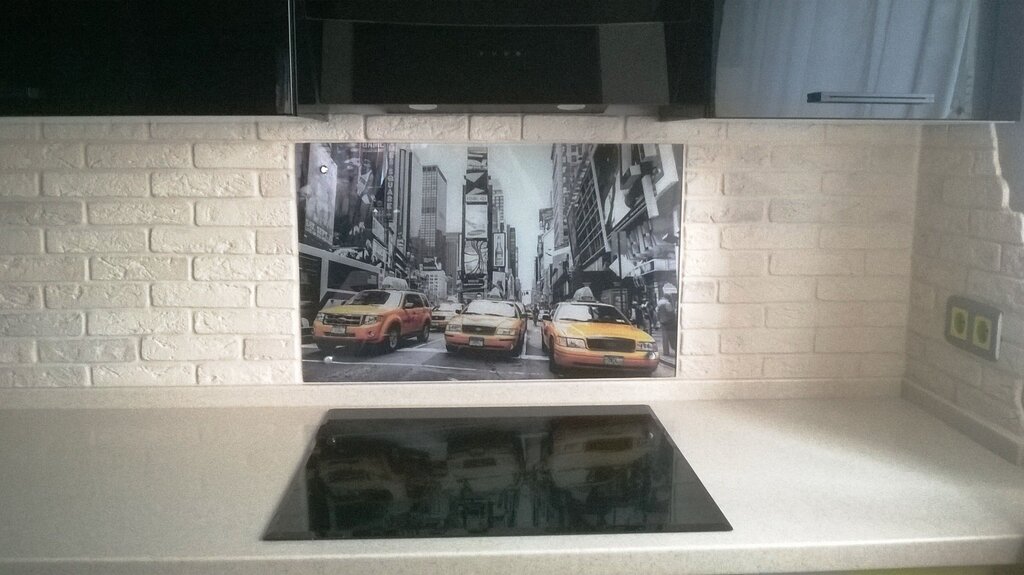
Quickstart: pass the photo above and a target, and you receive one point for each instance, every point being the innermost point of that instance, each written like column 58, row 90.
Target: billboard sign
column 320, row 193
column 475, row 218
column 476, row 258
column 389, row 184
column 499, row 251
column 344, row 182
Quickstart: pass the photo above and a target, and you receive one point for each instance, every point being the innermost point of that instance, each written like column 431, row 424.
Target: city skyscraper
column 513, row 252
column 430, row 239
column 497, row 206
column 476, row 225
column 452, row 253
column 406, row 212
column 566, row 159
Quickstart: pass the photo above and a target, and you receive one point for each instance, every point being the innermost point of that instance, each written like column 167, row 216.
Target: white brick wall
column 968, row 243
column 162, row 253
column 797, row 249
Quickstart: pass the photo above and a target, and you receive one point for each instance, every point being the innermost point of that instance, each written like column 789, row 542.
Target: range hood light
column 571, row 107
column 423, row 107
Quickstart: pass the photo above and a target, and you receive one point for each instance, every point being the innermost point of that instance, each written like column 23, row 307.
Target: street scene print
column 425, row 262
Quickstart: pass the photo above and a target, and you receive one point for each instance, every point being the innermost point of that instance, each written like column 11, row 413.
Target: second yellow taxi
column 487, row 324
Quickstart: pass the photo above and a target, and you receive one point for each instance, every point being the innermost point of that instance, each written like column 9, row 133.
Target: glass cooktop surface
column 404, row 473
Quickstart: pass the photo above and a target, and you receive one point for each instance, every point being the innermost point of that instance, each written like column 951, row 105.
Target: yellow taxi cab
column 591, row 335
column 579, row 446
column 487, row 324
column 443, row 313
column 373, row 317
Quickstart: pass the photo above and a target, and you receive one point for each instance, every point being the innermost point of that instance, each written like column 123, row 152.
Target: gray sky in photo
column 524, row 172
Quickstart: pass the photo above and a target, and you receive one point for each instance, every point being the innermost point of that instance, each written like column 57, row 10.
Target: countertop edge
column 682, row 560
column 399, row 395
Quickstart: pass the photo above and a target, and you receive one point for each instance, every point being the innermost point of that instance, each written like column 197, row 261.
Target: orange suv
column 378, row 317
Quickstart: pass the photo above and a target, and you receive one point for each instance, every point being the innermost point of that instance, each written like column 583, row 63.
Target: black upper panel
column 502, row 12
column 493, row 54
column 493, row 472
column 145, row 57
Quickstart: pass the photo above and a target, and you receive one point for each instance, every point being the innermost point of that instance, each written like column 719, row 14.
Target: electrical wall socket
column 973, row 326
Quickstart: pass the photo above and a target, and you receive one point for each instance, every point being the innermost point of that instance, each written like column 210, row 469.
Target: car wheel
column 424, row 335
column 325, row 347
column 393, row 338
column 543, row 345
column 518, row 349
column 552, row 366
column 451, row 348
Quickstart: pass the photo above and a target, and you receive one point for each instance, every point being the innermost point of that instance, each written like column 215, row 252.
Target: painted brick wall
column 968, row 242
column 797, row 256
column 162, row 253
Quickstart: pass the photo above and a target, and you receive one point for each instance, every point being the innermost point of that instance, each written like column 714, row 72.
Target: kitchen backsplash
column 969, row 242
column 157, row 252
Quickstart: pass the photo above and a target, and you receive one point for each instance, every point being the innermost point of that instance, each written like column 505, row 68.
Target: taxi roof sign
column 584, row 294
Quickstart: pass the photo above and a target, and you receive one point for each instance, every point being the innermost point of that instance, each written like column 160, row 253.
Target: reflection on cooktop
column 491, row 472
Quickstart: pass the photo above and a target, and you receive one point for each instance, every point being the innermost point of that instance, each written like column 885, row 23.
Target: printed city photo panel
column 429, row 262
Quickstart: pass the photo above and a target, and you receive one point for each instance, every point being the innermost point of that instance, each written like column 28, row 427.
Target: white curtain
column 774, row 52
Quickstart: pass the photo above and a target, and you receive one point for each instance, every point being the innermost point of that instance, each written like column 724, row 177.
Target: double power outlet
column 973, row 326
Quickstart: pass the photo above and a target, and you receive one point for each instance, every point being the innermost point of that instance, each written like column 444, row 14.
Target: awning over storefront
column 654, row 265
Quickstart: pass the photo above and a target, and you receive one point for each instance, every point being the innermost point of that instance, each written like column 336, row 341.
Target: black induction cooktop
column 382, row 474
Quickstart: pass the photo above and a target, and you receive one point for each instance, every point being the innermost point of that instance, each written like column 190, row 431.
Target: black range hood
column 495, row 55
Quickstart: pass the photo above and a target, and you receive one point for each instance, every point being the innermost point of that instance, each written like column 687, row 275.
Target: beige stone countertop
column 808, row 485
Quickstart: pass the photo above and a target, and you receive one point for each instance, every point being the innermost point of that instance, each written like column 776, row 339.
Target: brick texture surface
column 967, row 244
column 163, row 252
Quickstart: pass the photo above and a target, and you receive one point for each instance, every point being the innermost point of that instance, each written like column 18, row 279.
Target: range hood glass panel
column 498, row 64
column 500, row 12
column 458, row 55
column 381, row 474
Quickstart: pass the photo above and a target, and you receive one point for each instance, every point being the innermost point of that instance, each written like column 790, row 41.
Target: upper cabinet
column 886, row 59
column 145, row 57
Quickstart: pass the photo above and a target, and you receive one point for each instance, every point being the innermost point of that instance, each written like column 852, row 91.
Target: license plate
column 476, row 342
column 339, row 330
column 612, row 360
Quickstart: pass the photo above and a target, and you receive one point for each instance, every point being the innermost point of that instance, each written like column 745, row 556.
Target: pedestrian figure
column 640, row 316
column 669, row 319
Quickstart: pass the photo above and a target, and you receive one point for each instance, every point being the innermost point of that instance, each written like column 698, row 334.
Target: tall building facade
column 541, row 291
column 404, row 215
column 566, row 160
column 588, row 237
column 476, row 226
column 497, row 206
column 452, row 253
column 435, row 286
column 513, row 252
column 430, row 239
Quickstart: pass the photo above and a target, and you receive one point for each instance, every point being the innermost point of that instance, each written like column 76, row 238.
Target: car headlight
column 453, row 328
column 320, row 317
column 572, row 342
column 368, row 319
column 505, row 331
column 647, row 346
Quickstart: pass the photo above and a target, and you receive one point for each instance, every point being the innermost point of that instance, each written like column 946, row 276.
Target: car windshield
column 447, row 307
column 590, row 313
column 374, row 297
column 485, row 307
